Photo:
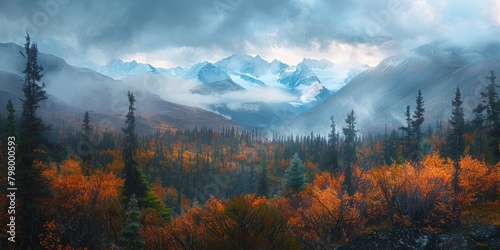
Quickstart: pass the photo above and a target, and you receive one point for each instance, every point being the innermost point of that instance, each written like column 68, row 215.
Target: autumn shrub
column 328, row 216
column 413, row 196
column 84, row 210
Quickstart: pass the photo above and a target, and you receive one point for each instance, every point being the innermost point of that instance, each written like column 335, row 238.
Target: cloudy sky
column 170, row 33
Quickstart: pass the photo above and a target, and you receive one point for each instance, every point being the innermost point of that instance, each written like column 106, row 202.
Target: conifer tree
column 349, row 150
column 250, row 180
column 295, row 176
column 130, row 233
column 390, row 147
column 455, row 140
column 488, row 118
column 418, row 120
column 30, row 181
column 331, row 157
column 263, row 185
column 86, row 139
column 135, row 181
column 408, row 134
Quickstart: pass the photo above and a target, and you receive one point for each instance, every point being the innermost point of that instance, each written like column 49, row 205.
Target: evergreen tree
column 250, row 180
column 130, row 233
column 263, row 185
column 455, row 140
column 31, row 183
column 349, row 150
column 488, row 118
column 492, row 109
column 295, row 176
column 135, row 181
column 390, row 147
column 331, row 157
column 86, row 139
column 11, row 119
column 408, row 134
column 418, row 120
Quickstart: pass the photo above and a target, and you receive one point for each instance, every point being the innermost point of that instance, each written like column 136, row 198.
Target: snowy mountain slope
column 248, row 72
column 72, row 90
column 118, row 69
column 379, row 95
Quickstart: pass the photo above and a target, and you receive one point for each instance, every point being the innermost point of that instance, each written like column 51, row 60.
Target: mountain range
column 379, row 95
column 248, row 91
column 236, row 85
column 310, row 81
column 72, row 90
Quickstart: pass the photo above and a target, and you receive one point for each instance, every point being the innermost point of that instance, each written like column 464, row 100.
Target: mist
column 179, row 91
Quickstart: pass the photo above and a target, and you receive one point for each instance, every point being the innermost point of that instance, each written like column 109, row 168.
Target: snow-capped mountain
column 254, row 72
column 311, row 81
column 72, row 90
column 379, row 95
column 245, row 64
column 250, row 90
column 118, row 69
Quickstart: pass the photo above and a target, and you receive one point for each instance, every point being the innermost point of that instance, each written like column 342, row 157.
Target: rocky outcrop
column 395, row 238
column 487, row 237
column 483, row 237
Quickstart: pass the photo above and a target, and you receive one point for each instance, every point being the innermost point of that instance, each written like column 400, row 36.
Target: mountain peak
column 314, row 63
column 242, row 63
column 114, row 61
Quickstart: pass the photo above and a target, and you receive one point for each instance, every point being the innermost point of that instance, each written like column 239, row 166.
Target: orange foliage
column 82, row 203
column 326, row 214
column 156, row 231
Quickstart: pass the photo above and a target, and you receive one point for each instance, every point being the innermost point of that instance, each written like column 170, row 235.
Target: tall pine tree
column 349, row 151
column 135, row 181
column 418, row 120
column 31, row 183
column 408, row 134
column 86, row 139
column 263, row 182
column 331, row 163
column 455, row 139
column 488, row 120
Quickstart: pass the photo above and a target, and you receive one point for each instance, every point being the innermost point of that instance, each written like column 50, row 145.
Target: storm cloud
column 185, row 32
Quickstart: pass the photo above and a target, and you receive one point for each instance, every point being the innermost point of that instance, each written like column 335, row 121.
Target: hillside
column 380, row 95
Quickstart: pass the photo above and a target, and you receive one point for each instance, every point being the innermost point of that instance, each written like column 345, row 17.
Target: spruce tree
column 263, row 185
column 130, row 233
column 30, row 181
column 86, row 139
column 135, row 181
column 349, row 150
column 418, row 120
column 488, row 119
column 390, row 147
column 331, row 157
column 250, row 179
column 295, row 176
column 455, row 140
column 408, row 134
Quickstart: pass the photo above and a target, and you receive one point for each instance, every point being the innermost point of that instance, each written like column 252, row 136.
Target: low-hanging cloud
column 179, row 91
